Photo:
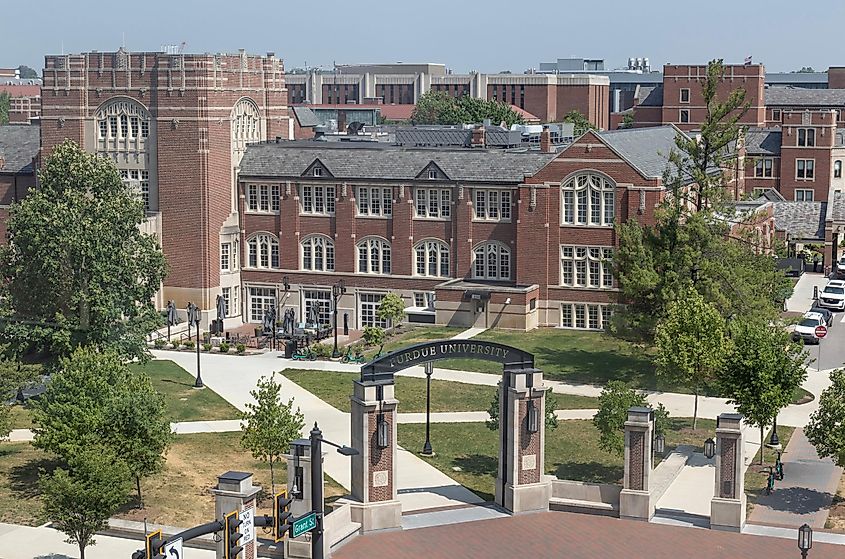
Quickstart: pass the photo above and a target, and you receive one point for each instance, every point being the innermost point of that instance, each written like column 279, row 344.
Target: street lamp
column 533, row 417
column 774, row 440
column 382, row 432
column 338, row 289
column 709, row 448
column 194, row 316
column 427, row 450
column 805, row 540
column 660, row 443
column 317, row 504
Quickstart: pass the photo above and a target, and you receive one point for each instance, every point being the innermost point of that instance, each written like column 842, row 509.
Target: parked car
column 806, row 328
column 833, row 295
column 826, row 313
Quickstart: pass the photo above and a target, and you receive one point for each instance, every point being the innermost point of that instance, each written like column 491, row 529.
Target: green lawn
column 572, row 451
column 446, row 396
column 184, row 402
column 756, row 476
column 409, row 335
column 20, row 501
column 21, row 417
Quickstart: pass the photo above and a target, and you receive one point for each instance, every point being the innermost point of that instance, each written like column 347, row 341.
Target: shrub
column 188, row 344
column 240, row 349
column 159, row 343
column 323, row 351
column 174, row 345
column 224, row 347
column 206, row 346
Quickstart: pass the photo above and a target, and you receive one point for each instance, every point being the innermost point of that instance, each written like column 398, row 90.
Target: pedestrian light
column 709, row 448
column 533, row 417
column 382, row 432
column 659, row 443
column 805, row 539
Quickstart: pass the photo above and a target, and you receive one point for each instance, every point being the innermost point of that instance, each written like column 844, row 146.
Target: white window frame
column 499, row 269
column 317, row 199
column 681, row 95
column 805, row 169
column 493, row 204
column 809, row 137
column 317, row 172
column 776, row 115
column 260, row 298
column 585, row 316
column 803, row 195
column 681, row 114
column 225, row 257
column 760, row 170
column 432, row 254
column 374, row 201
column 588, row 267
column 263, row 198
column 433, row 203
column 578, row 196
column 321, row 297
column 368, row 304
column 227, row 302
column 316, row 254
column 263, row 252
column 373, row 256
column 424, row 301
column 837, row 169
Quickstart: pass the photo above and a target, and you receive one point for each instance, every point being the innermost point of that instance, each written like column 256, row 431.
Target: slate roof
column 653, row 98
column 770, row 195
column 19, row 144
column 495, row 136
column 305, row 116
column 799, row 96
column 647, row 149
column 641, row 93
column 763, row 141
column 378, row 161
column 837, row 208
column 801, row 220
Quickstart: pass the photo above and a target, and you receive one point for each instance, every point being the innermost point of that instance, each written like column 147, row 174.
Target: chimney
column 479, row 137
column 546, row 140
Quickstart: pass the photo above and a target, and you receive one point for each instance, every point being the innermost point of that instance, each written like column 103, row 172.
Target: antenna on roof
column 123, row 40
column 182, row 47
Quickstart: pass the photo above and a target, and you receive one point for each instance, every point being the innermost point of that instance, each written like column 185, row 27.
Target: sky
column 486, row 36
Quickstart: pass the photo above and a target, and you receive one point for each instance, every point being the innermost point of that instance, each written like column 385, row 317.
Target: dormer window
column 318, row 172
column 432, row 174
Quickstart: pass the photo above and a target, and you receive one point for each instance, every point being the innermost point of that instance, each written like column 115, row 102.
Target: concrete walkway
column 469, row 333
column 808, row 486
column 802, row 295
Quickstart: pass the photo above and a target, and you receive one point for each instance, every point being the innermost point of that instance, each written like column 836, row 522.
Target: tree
column 628, row 120
column 691, row 343
column 493, row 411
column 374, row 336
column 13, row 376
column 269, row 425
column 79, row 500
column 438, row 107
column 5, row 102
column 615, row 400
column 805, row 70
column 138, row 427
column 77, row 270
column 27, row 73
column 762, row 371
column 826, row 428
column 582, row 124
column 430, row 107
column 391, row 309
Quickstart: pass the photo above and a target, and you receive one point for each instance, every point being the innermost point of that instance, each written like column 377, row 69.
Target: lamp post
column 317, row 504
column 774, row 440
column 427, row 450
column 194, row 313
column 805, row 540
column 338, row 289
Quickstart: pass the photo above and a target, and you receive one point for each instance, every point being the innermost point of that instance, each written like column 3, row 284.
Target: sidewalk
column 808, row 486
column 802, row 295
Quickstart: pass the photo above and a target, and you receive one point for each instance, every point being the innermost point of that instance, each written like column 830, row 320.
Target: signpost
column 173, row 549
column 304, row 524
column 247, row 516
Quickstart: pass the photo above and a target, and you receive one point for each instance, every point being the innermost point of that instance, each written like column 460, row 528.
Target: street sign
column 304, row 524
column 173, row 550
column 247, row 516
column 821, row 331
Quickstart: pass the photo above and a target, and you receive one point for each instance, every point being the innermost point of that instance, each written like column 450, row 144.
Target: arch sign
column 381, row 370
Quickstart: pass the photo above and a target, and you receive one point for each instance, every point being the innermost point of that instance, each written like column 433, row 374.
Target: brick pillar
column 344, row 225
column 635, row 500
column 727, row 509
column 235, row 492
column 402, row 227
column 521, row 485
column 373, row 503
column 463, row 232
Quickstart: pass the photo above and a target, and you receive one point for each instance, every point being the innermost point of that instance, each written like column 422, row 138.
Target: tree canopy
column 27, row 73
column 438, row 107
column 5, row 101
column 391, row 309
column 78, row 270
column 826, row 428
column 580, row 121
column 614, row 402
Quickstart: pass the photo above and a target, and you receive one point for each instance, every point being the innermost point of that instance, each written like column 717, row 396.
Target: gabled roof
column 801, row 220
column 19, row 144
column 763, row 141
column 346, row 160
column 305, row 116
column 641, row 93
column 799, row 96
column 646, row 149
column 654, row 97
column 770, row 195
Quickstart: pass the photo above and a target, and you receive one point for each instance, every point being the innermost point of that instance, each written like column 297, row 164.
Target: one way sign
column 173, row 550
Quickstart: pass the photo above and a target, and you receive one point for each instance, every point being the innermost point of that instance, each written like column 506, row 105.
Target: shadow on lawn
column 597, row 367
column 23, row 479
column 171, row 381
column 590, row 472
column 477, row 464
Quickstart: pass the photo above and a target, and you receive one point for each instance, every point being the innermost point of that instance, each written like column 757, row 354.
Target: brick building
column 25, row 99
column 176, row 125
column 18, row 161
column 466, row 236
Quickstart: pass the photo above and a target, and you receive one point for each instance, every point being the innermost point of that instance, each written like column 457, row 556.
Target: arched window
column 491, row 261
column 588, row 199
column 374, row 256
column 246, row 129
column 263, row 251
column 318, row 254
column 432, row 259
column 837, row 169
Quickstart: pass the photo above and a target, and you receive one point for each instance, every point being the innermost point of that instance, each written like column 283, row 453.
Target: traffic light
column 155, row 545
column 231, row 537
column 281, row 515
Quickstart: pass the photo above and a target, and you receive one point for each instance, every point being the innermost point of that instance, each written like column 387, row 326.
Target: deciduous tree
column 438, row 107
column 374, row 336
column 826, row 428
column 5, row 101
column 582, row 124
column 493, row 411
column 269, row 424
column 391, row 309
column 614, row 402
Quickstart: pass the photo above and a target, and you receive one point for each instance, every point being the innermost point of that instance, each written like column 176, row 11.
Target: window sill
column 586, row 288
column 258, row 269
column 443, row 219
column 305, row 214
column 261, row 212
column 482, row 220
column 584, row 226
column 368, row 216
column 420, row 310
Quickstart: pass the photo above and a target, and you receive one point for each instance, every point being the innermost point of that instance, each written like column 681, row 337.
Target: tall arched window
column 588, row 199
column 263, row 251
column 318, row 254
column 374, row 256
column 491, row 261
column 837, row 169
column 432, row 259
column 246, row 129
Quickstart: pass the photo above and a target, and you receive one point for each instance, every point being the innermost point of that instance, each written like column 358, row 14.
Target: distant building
column 19, row 147
column 25, row 99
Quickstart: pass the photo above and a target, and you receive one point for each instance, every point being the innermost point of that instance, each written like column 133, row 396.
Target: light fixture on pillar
column 659, row 443
column 709, row 448
column 286, row 283
column 382, row 432
column 533, row 417
column 805, row 539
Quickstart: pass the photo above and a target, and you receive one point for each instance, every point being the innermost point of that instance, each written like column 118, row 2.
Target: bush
column 174, row 345
column 159, row 343
column 240, row 349
column 188, row 344
column 323, row 351
column 224, row 347
column 206, row 346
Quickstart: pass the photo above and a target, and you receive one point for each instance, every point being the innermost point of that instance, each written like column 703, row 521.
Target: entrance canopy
column 381, row 370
